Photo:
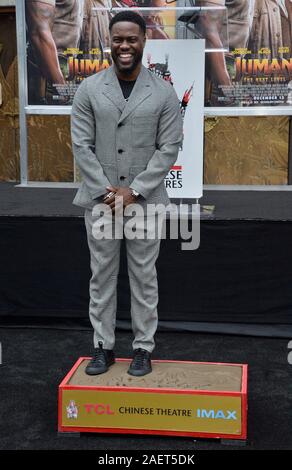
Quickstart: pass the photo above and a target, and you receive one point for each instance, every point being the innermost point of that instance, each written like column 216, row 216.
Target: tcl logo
column 99, row 409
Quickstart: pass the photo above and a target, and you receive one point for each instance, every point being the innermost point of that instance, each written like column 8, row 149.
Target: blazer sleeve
column 83, row 143
column 168, row 140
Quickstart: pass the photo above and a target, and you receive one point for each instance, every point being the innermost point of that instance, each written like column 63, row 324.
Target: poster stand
column 183, row 30
column 27, row 109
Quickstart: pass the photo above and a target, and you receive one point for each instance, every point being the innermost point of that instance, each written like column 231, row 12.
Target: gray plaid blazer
column 125, row 143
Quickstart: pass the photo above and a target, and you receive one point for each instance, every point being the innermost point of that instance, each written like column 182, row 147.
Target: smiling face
column 127, row 44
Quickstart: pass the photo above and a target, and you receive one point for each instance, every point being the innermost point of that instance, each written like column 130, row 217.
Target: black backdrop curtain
column 241, row 273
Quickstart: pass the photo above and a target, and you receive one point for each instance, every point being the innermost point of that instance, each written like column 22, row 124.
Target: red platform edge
column 243, row 394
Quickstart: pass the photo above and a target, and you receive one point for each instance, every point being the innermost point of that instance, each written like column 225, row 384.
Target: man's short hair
column 129, row 16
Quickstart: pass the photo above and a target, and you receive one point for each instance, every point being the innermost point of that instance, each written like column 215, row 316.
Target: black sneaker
column 102, row 359
column 141, row 363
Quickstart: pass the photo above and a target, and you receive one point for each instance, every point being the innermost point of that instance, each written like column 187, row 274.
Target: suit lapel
column 112, row 90
column 140, row 92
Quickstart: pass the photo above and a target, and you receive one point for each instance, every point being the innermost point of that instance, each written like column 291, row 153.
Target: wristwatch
column 134, row 193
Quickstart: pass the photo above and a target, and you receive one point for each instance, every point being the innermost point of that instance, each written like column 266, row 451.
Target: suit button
column 120, row 151
column 122, row 177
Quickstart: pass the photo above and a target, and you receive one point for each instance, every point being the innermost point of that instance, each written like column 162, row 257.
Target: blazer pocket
column 144, row 130
column 111, row 173
column 134, row 171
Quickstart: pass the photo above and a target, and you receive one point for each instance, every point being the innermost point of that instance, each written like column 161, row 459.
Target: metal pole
column 22, row 87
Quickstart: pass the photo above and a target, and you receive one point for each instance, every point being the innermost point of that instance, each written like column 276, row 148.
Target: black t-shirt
column 127, row 87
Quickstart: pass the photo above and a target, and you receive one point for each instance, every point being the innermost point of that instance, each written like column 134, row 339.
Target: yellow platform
column 177, row 398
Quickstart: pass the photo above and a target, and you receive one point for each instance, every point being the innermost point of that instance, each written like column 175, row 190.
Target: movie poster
column 181, row 63
column 257, row 69
column 68, row 40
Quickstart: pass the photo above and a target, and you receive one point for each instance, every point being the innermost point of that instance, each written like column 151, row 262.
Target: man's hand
column 119, row 195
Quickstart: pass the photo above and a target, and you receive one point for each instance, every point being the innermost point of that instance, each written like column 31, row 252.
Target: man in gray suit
column 126, row 132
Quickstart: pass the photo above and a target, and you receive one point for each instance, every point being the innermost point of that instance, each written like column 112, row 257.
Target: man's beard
column 125, row 69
